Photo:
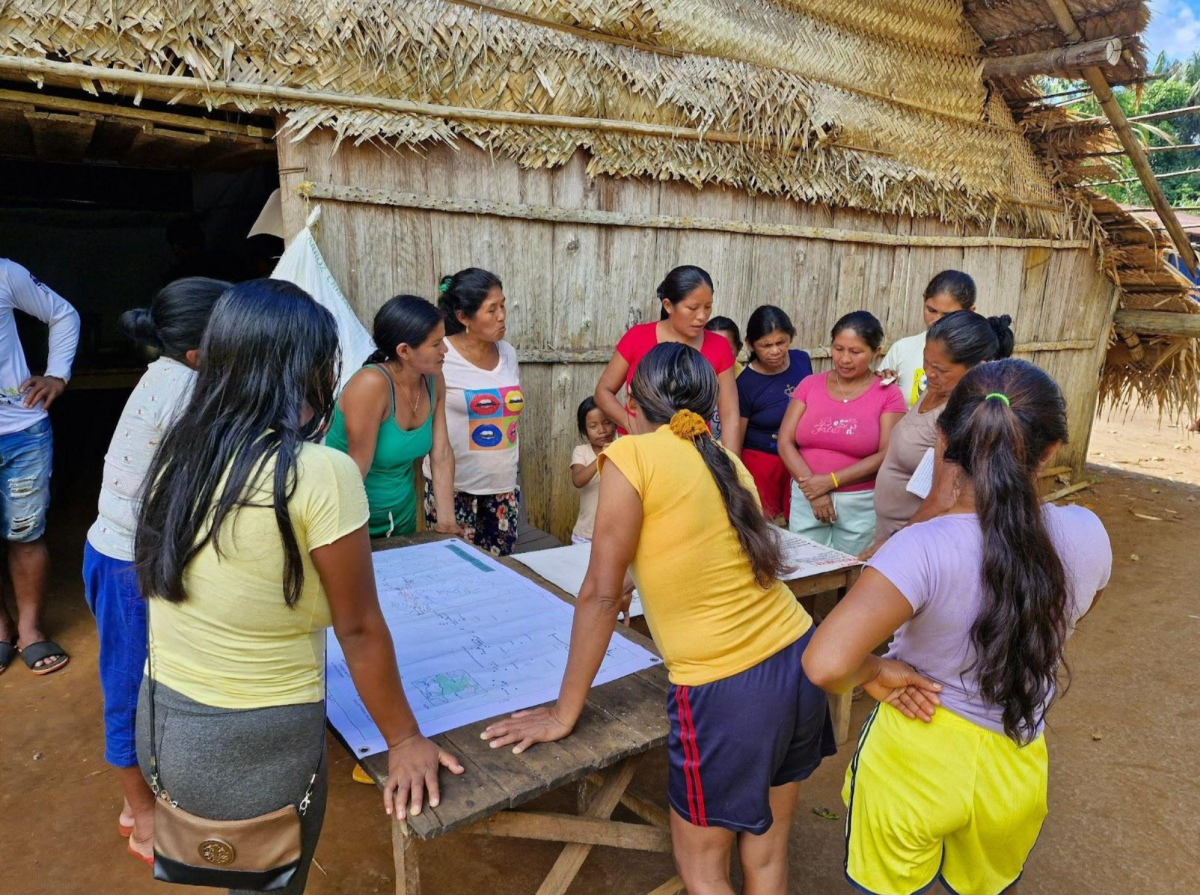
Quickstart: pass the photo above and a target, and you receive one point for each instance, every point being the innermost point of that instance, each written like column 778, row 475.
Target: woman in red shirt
column 686, row 295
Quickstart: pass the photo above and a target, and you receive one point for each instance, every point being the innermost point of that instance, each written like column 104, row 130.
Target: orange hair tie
column 689, row 425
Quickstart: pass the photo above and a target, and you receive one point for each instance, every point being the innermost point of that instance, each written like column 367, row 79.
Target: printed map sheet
column 473, row 639
column 566, row 567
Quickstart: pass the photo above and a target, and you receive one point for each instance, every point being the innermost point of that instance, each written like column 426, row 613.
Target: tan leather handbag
column 260, row 853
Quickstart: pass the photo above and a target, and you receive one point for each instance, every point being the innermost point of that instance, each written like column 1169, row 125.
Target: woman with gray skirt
column 251, row 542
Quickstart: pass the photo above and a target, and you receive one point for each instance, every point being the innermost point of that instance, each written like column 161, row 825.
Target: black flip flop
column 44, row 649
column 8, row 652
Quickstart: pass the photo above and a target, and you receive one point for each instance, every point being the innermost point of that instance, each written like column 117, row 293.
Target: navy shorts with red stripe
column 733, row 739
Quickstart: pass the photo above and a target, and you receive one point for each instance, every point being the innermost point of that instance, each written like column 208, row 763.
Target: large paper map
column 473, row 640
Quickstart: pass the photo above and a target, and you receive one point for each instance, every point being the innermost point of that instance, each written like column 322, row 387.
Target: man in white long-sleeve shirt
column 26, row 452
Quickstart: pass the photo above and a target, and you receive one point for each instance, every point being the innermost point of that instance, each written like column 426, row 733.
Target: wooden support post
column 404, row 853
column 1071, row 57
column 566, row 868
column 1158, row 323
column 673, row 886
column 1141, row 164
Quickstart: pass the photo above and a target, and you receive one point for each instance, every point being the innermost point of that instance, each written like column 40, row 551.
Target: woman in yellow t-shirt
column 683, row 510
column 253, row 541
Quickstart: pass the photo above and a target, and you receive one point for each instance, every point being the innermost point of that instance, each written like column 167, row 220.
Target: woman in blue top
column 764, row 390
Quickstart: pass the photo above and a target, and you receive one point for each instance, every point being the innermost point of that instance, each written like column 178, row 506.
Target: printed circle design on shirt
column 487, row 436
column 484, row 404
column 514, row 402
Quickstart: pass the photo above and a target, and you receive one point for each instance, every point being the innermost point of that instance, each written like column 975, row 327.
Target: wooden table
column 834, row 584
column 622, row 721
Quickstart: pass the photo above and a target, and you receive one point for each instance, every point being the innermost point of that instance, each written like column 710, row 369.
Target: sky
column 1174, row 28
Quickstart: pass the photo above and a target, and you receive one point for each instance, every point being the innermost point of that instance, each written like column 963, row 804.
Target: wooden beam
column 1159, row 323
column 1071, row 57
column 1176, row 148
column 61, row 137
column 554, row 827
column 556, row 214
column 170, row 119
column 1116, row 115
column 1166, row 176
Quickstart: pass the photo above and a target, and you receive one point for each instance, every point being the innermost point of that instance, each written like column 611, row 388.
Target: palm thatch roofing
column 874, row 105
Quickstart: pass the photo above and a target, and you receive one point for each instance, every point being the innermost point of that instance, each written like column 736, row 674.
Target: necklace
column 838, row 380
column 414, row 402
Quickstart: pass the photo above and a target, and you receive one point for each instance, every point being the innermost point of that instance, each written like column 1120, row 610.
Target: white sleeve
column 889, row 360
column 39, row 300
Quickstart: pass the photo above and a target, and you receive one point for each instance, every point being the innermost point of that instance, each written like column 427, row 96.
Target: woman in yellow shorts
column 981, row 600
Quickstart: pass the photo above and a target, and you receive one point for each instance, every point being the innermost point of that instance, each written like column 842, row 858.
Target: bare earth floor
column 1125, row 784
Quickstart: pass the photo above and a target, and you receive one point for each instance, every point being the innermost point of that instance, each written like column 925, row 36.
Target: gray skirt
column 234, row 764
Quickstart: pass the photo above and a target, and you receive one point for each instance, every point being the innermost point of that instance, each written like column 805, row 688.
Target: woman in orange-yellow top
column 684, row 511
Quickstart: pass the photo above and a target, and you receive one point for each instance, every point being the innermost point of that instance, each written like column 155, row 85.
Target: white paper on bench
column 473, row 640
column 565, row 567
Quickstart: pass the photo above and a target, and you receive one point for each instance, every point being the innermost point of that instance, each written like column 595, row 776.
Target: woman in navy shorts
column 746, row 725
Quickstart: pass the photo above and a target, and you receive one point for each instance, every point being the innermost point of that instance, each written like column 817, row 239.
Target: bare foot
column 125, row 821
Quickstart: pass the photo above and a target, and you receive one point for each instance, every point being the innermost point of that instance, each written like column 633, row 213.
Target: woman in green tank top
column 393, row 413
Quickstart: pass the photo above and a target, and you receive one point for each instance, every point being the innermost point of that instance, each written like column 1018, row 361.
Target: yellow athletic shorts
column 946, row 800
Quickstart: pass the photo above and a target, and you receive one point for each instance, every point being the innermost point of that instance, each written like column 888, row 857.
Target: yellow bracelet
column 833, row 475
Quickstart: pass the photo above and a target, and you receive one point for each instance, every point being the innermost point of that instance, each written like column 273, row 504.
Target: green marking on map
column 473, row 560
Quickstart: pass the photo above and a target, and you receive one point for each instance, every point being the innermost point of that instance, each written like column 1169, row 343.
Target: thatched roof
column 874, row 105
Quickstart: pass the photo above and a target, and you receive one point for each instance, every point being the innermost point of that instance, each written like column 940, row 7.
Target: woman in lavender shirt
column 980, row 602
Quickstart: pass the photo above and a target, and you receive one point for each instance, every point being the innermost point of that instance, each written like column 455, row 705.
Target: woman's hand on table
column 903, row 688
column 413, row 765
column 816, row 486
column 823, row 509
column 540, row 725
column 869, row 552
column 448, row 528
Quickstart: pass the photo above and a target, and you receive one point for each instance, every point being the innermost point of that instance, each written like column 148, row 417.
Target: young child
column 723, row 326
column 598, row 431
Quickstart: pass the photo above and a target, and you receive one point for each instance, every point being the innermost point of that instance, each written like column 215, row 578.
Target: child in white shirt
column 597, row 431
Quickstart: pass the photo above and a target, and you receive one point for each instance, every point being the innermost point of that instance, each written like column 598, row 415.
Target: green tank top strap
column 391, row 385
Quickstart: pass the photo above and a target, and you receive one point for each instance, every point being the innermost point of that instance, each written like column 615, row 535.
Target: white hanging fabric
column 303, row 265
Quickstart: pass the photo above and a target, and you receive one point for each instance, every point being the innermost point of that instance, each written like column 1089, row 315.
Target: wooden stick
column 111, row 110
column 554, row 214
column 1106, row 51
column 673, row 886
column 404, row 854
column 1095, row 77
column 1174, row 148
column 1063, row 492
column 1159, row 323
column 1053, row 471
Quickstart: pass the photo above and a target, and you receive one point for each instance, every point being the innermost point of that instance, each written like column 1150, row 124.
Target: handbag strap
column 156, row 785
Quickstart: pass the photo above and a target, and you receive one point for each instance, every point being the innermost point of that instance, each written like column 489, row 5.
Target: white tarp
column 303, row 265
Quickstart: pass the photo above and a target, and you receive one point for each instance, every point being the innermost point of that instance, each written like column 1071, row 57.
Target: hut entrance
column 107, row 203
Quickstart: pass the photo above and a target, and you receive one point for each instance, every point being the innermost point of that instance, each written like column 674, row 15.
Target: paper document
column 566, row 567
column 807, row 558
column 473, row 640
column 921, row 482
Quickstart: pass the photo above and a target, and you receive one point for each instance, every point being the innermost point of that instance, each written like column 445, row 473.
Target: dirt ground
column 1125, row 789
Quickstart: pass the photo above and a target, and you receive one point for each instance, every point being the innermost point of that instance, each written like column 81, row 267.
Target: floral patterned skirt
column 489, row 521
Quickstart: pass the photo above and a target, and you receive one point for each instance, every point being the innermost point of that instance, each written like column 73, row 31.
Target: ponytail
column 674, row 384
column 175, row 321
column 999, row 422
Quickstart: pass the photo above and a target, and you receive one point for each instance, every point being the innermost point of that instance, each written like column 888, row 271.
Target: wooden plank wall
column 573, row 289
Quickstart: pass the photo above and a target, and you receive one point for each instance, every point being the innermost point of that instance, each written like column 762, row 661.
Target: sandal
column 8, row 652
column 148, row 861
column 44, row 649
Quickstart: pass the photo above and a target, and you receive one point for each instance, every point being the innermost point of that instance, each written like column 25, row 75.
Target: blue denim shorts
column 25, row 461
column 110, row 588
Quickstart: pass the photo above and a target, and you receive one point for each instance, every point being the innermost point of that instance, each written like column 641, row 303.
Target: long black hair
column 863, row 324
column 269, row 351
column 971, row 338
column 673, row 377
column 765, row 320
column 958, row 285
column 465, row 291
column 726, row 325
column 403, row 320
column 174, row 323
column 679, row 284
column 999, row 444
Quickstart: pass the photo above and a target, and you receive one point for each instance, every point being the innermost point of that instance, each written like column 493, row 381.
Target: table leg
column 404, row 852
column 840, row 707
column 602, row 804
